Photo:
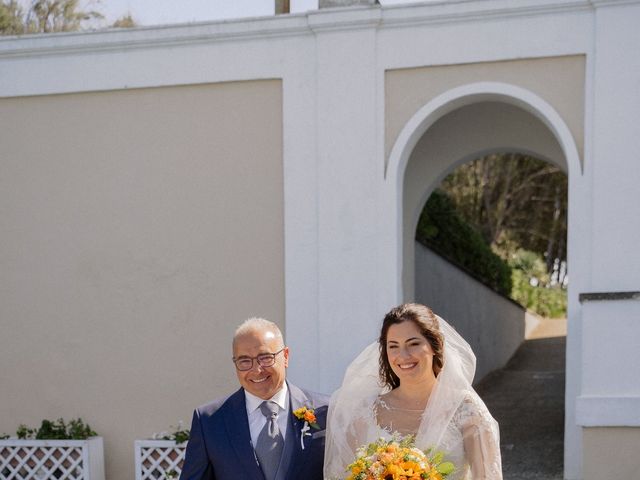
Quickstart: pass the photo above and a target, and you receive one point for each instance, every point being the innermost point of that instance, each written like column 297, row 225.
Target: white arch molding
column 391, row 215
column 422, row 120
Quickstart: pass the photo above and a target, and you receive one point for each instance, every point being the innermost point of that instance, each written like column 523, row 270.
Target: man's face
column 263, row 382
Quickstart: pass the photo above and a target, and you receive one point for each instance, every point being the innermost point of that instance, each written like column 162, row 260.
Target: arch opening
column 463, row 124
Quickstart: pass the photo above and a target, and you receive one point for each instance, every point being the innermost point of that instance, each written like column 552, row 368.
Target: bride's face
column 410, row 354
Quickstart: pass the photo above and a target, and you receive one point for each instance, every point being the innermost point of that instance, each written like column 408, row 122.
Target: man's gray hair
column 257, row 323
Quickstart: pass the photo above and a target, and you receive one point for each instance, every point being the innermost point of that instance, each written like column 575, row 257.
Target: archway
column 461, row 124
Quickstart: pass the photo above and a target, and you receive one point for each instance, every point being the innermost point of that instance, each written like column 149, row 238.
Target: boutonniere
column 310, row 421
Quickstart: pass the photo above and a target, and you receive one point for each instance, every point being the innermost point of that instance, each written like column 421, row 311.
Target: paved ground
column 527, row 399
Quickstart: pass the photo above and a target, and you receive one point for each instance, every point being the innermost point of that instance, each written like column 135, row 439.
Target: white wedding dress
column 455, row 420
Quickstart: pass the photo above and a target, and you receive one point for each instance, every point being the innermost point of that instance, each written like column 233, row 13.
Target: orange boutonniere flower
column 310, row 421
column 308, row 415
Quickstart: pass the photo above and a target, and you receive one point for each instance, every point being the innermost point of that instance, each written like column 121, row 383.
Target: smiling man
column 259, row 432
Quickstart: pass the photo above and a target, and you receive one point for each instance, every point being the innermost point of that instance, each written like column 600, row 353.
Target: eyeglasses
column 264, row 360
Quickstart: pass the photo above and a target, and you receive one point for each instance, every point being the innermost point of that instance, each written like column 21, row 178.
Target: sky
column 159, row 12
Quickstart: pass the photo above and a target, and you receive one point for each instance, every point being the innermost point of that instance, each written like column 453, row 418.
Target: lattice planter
column 52, row 459
column 159, row 459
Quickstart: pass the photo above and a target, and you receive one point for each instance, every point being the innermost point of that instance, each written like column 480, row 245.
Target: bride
column 416, row 380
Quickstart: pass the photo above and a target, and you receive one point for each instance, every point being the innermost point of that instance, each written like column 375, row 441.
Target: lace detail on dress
column 470, row 439
column 396, row 420
column 474, row 429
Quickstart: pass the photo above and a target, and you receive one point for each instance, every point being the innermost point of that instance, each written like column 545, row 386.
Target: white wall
column 346, row 189
column 493, row 325
column 610, row 394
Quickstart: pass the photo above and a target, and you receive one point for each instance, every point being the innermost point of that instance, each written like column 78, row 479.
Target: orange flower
column 306, row 414
column 397, row 459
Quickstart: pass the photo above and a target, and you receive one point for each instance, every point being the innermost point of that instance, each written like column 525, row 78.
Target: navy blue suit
column 220, row 444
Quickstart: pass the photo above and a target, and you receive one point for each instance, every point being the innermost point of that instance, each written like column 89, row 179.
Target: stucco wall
column 493, row 325
column 611, row 452
column 558, row 80
column 138, row 228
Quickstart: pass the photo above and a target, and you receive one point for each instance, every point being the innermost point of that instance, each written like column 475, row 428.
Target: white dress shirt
column 257, row 420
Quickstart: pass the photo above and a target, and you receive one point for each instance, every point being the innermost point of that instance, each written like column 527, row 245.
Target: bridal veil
column 455, row 420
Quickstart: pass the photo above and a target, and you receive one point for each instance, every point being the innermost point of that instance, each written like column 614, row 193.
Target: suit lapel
column 237, row 425
column 297, row 399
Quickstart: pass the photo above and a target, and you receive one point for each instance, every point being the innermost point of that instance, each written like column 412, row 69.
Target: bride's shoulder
column 472, row 410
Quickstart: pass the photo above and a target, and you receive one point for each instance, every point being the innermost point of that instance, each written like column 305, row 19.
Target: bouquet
column 398, row 459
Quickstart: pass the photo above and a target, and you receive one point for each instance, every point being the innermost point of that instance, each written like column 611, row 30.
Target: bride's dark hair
column 426, row 321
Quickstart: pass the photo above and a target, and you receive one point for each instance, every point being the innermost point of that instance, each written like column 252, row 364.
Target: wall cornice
column 611, row 3
column 457, row 11
column 153, row 37
column 602, row 411
column 259, row 28
column 345, row 18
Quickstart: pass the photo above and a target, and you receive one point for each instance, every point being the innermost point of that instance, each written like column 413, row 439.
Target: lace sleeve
column 346, row 432
column 481, row 440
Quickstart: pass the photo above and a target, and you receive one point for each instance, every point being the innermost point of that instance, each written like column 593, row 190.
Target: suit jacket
column 220, row 446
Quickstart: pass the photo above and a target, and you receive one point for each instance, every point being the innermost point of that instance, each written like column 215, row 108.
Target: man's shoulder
column 220, row 404
column 317, row 399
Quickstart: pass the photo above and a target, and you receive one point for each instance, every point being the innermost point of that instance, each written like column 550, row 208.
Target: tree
column 48, row 16
column 11, row 18
column 511, row 204
column 125, row 21
column 516, row 202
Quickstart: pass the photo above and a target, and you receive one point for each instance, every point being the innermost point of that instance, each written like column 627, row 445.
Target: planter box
column 52, row 459
column 158, row 459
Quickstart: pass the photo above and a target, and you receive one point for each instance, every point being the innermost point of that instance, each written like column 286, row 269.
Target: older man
column 260, row 432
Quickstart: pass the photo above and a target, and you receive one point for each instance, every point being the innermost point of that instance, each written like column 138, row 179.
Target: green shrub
column 531, row 287
column 444, row 231
column 57, row 430
column 179, row 434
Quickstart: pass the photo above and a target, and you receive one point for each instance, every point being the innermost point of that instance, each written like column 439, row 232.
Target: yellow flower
column 397, row 459
column 306, row 414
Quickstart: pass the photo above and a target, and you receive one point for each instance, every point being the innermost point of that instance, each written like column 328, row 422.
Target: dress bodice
column 468, row 441
column 394, row 419
column 391, row 420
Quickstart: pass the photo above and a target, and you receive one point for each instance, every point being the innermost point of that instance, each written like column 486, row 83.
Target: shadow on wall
column 493, row 325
